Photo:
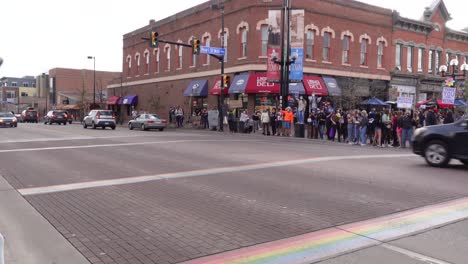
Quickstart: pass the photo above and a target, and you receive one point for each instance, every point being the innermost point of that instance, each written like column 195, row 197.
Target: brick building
column 349, row 46
column 73, row 88
column 419, row 48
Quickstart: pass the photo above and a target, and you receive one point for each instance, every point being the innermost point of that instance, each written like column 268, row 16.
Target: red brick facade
column 149, row 76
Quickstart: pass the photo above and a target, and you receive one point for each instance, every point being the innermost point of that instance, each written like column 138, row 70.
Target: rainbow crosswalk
column 334, row 241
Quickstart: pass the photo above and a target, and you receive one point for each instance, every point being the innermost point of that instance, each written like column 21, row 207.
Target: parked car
column 56, row 116
column 441, row 143
column 7, row 119
column 100, row 118
column 29, row 116
column 69, row 117
column 147, row 121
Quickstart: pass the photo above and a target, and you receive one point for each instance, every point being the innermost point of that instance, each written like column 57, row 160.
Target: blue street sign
column 212, row 50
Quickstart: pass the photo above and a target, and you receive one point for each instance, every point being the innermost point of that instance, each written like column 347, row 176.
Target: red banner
column 273, row 69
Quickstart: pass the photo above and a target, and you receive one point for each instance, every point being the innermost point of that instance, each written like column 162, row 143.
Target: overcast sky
column 40, row 35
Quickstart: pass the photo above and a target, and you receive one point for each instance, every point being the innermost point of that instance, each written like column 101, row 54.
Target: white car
column 100, row 118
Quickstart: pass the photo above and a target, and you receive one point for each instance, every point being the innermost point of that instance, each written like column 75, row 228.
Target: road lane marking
column 414, row 255
column 84, row 137
column 116, row 145
column 332, row 242
column 193, row 173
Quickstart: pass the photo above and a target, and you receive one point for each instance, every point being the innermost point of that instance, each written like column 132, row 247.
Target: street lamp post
column 94, row 79
column 220, row 6
column 454, row 64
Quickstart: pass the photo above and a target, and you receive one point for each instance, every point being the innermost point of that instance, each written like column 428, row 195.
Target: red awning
column 216, row 89
column 113, row 100
column 258, row 84
column 315, row 85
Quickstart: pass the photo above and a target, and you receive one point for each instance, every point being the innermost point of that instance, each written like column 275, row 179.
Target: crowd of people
column 382, row 127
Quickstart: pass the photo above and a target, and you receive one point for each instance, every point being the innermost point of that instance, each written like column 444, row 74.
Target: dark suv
column 29, row 116
column 56, row 116
column 438, row 144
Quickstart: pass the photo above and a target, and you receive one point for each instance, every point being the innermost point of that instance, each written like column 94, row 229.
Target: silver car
column 99, row 118
column 147, row 121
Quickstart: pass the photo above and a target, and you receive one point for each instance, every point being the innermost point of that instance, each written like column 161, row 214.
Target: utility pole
column 285, row 48
column 221, row 90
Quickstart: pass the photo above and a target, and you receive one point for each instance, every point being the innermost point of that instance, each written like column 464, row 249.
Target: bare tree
column 83, row 102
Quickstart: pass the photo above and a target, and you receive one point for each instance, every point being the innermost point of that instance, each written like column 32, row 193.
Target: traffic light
column 196, row 46
column 226, row 81
column 154, row 39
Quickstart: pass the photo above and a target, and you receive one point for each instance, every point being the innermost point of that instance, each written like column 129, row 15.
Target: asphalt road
column 167, row 197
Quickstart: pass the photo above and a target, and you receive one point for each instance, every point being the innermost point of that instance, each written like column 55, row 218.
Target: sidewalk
column 29, row 237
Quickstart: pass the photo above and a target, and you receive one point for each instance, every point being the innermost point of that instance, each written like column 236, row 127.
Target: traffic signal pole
column 221, row 90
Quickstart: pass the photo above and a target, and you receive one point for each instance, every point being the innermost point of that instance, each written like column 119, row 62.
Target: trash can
column 299, row 130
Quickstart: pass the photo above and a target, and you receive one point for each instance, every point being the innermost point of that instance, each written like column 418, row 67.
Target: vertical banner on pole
column 297, row 45
column 274, row 46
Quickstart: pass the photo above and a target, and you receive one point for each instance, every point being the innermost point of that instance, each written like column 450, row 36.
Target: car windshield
column 105, row 113
column 6, row 115
column 153, row 116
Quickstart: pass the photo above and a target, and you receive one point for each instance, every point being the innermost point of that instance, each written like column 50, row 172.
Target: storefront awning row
column 128, row 100
column 113, row 100
column 197, row 88
column 256, row 83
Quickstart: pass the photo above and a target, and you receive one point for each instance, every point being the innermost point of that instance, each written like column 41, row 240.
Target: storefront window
column 265, row 102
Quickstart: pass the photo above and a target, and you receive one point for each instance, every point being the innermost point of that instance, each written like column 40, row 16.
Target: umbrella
column 373, row 101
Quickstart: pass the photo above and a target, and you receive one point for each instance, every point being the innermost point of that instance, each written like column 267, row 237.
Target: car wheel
column 84, row 125
column 93, row 125
column 161, row 129
column 143, row 127
column 64, row 123
column 130, row 126
column 436, row 154
column 113, row 128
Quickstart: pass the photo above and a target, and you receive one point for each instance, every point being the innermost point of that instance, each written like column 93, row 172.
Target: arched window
column 137, row 68
column 147, row 61
column 243, row 42
column 156, row 60
column 310, row 43
column 364, row 44
column 206, row 42
column 380, row 54
column 345, row 53
column 326, row 46
column 381, row 45
column 167, row 49
column 264, row 43
column 129, row 65
column 180, row 55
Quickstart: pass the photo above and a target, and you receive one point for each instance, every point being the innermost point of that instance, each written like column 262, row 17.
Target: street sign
column 212, row 50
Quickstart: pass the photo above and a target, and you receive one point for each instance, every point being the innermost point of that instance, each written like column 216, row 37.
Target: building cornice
column 408, row 24
column 456, row 35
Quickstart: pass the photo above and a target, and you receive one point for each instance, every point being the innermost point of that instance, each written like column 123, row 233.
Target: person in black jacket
column 273, row 115
column 449, row 118
column 431, row 118
column 407, row 123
